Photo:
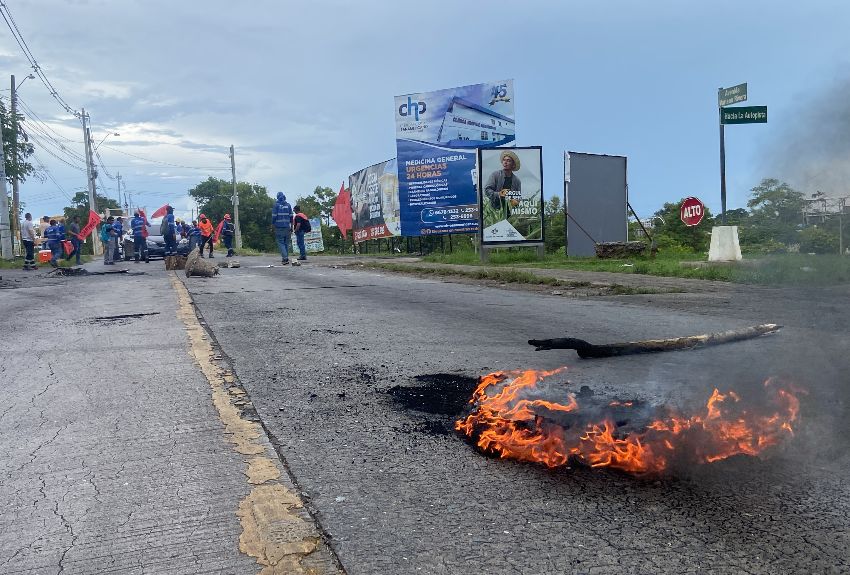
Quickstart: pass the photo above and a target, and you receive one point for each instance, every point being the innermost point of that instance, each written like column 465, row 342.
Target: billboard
column 437, row 134
column 596, row 195
column 313, row 239
column 374, row 201
column 511, row 202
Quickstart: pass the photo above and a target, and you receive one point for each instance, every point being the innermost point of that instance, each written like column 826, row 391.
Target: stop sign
column 691, row 211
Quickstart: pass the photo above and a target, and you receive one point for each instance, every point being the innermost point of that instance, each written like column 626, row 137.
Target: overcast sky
column 304, row 90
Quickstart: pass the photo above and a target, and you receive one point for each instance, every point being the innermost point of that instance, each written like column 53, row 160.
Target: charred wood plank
column 587, row 350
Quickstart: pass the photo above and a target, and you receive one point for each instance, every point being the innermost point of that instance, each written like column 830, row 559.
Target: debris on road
column 66, row 272
column 197, row 266
column 588, row 350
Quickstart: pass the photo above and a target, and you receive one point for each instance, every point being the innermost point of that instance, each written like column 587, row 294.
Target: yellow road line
column 275, row 529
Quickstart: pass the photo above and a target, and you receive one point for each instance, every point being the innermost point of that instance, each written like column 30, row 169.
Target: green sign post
column 744, row 115
column 733, row 95
column 740, row 115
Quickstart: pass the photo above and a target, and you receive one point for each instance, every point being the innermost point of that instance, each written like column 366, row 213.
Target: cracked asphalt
column 113, row 459
column 333, row 359
column 319, row 347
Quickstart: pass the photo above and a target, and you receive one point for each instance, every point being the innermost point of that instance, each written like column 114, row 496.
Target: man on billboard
column 499, row 186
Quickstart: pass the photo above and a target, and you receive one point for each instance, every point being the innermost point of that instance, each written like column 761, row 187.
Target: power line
column 38, row 135
column 19, row 38
column 44, row 169
column 204, row 168
column 36, row 118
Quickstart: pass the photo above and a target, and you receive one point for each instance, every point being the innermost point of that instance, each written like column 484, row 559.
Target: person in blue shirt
column 118, row 226
column 54, row 234
column 194, row 236
column 76, row 242
column 227, row 233
column 282, row 224
column 170, row 233
column 139, row 226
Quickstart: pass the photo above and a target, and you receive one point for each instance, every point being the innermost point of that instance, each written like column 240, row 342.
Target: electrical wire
column 44, row 169
column 19, row 38
column 35, row 117
column 35, row 133
column 204, row 168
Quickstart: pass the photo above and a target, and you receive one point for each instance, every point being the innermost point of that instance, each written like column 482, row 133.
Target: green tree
column 775, row 212
column 553, row 212
column 80, row 208
column 673, row 232
column 318, row 204
column 16, row 163
column 215, row 198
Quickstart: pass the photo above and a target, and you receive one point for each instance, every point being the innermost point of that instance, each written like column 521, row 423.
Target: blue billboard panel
column 437, row 135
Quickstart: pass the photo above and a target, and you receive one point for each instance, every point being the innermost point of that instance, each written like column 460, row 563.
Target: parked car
column 156, row 247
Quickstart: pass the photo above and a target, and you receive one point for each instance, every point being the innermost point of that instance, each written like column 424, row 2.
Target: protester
column 301, row 225
column 54, row 234
column 194, row 236
column 106, row 235
column 140, row 242
column 206, row 234
column 28, row 241
column 227, row 233
column 170, row 235
column 282, row 223
column 76, row 242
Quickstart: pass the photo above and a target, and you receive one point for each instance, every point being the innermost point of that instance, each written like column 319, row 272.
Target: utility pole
column 238, row 233
column 722, row 169
column 5, row 235
column 15, row 200
column 90, row 173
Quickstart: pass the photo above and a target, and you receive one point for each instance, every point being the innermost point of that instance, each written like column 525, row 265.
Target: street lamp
column 21, row 83
column 104, row 139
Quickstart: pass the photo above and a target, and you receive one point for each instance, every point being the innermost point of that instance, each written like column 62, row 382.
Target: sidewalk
column 128, row 446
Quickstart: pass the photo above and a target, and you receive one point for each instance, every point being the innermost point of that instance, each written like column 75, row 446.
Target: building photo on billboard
column 511, row 198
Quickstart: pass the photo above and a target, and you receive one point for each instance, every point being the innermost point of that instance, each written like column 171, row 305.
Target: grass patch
column 786, row 269
column 517, row 277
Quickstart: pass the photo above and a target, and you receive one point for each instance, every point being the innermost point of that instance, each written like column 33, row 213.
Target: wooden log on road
column 198, row 266
column 587, row 350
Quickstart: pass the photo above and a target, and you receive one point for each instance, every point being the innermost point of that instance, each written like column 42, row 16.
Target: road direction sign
column 691, row 211
column 733, row 95
column 744, row 115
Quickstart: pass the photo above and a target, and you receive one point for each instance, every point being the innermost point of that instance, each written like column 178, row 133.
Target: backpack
column 163, row 227
column 306, row 227
column 104, row 233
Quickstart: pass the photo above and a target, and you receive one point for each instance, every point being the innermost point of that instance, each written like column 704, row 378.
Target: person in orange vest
column 206, row 234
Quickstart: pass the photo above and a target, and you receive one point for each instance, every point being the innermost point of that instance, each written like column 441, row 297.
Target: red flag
column 144, row 227
column 218, row 230
column 342, row 210
column 68, row 247
column 94, row 219
column 160, row 212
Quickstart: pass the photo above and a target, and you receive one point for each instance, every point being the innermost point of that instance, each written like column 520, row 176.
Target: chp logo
column 412, row 108
column 692, row 211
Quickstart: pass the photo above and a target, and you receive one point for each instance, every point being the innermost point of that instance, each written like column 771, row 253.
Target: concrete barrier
column 724, row 244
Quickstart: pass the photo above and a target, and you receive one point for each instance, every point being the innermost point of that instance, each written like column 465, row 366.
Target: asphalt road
column 356, row 375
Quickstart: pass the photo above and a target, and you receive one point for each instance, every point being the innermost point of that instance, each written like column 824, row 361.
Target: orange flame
column 509, row 419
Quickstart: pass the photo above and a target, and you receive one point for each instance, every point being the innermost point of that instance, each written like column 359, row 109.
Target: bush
column 818, row 241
